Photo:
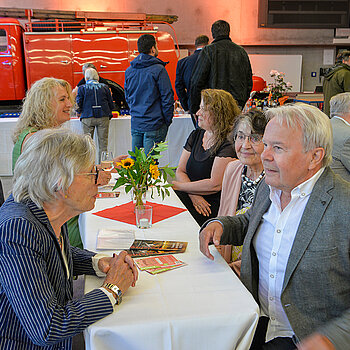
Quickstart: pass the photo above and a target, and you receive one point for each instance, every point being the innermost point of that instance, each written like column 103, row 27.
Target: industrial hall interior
column 175, row 175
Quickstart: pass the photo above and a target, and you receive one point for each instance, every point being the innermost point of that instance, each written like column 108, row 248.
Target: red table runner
column 125, row 212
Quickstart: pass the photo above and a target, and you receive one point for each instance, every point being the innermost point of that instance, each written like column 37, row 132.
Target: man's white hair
column 315, row 125
column 340, row 104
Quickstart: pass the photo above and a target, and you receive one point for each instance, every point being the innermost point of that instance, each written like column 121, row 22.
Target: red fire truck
column 58, row 43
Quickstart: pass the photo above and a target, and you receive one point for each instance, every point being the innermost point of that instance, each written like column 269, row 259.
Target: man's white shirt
column 273, row 243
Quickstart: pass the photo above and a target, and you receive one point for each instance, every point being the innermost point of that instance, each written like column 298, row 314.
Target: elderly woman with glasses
column 48, row 104
column 54, row 180
column 242, row 176
column 206, row 154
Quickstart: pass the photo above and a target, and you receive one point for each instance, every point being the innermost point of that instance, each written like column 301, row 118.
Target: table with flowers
column 202, row 305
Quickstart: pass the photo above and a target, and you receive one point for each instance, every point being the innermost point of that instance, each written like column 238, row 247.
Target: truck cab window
column 3, row 40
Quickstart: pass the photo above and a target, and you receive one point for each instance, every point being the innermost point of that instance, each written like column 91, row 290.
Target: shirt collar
column 302, row 190
column 342, row 120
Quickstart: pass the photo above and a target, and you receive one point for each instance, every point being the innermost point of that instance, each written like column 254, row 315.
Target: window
column 3, row 40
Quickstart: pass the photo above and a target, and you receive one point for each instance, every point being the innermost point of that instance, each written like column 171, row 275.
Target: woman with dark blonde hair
column 206, row 154
column 48, row 104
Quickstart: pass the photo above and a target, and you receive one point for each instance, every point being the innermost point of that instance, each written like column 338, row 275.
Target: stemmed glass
column 107, row 160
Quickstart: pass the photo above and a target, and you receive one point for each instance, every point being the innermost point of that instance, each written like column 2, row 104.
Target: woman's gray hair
column 91, row 74
column 315, row 125
column 49, row 161
column 254, row 118
column 340, row 104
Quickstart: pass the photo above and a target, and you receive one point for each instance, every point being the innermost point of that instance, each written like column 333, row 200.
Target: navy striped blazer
column 36, row 306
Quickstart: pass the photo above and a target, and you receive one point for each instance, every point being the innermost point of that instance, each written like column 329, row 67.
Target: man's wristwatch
column 118, row 293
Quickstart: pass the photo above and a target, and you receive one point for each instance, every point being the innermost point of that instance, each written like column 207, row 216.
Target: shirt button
column 271, row 298
column 273, row 253
column 272, row 276
column 278, row 231
column 303, row 194
column 272, row 318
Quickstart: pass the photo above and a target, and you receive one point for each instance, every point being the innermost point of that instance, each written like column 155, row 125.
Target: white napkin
column 115, row 239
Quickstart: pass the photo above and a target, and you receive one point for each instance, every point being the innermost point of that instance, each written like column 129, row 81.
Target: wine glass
column 107, row 160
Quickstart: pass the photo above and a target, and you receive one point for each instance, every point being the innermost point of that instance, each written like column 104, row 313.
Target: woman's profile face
column 247, row 149
column 204, row 117
column 82, row 193
column 61, row 105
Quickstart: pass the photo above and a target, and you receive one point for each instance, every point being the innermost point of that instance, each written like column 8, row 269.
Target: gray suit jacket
column 316, row 288
column 341, row 148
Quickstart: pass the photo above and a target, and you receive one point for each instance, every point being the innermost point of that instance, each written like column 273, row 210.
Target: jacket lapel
column 250, row 269
column 318, row 203
column 261, row 206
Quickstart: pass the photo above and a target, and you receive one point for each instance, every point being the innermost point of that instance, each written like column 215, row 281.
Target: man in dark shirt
column 90, row 65
column 184, row 72
column 222, row 65
column 116, row 90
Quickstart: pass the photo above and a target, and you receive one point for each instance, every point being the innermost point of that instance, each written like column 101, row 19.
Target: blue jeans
column 147, row 139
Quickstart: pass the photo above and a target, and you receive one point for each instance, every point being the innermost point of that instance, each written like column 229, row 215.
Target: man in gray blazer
column 340, row 114
column 296, row 237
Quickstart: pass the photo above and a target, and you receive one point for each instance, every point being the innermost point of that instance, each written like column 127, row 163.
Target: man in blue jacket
column 149, row 95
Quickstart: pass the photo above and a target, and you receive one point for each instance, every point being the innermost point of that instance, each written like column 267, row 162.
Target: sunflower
column 154, row 171
column 127, row 163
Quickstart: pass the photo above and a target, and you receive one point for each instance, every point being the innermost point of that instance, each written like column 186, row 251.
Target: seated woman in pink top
column 242, row 176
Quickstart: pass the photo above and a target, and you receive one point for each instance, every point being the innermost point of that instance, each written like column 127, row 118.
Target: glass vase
column 138, row 196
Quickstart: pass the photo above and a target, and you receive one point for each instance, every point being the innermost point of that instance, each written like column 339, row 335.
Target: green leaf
column 157, row 156
column 120, row 182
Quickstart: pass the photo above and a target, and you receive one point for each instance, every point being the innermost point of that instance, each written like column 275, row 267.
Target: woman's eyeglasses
column 252, row 138
column 94, row 173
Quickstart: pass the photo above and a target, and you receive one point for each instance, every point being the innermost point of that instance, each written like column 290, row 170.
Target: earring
column 65, row 196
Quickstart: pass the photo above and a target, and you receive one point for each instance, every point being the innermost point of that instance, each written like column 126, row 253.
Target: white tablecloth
column 119, row 139
column 200, row 306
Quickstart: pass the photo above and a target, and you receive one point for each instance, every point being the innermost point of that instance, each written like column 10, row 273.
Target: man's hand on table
column 210, row 234
column 120, row 270
column 316, row 341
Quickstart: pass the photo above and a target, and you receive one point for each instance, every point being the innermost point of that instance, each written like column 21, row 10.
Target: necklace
column 60, row 241
column 247, row 181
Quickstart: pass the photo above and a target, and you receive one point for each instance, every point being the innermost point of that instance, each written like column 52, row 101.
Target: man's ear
column 317, row 158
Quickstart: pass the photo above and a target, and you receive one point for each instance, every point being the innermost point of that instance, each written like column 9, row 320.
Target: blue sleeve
column 199, row 79
column 180, row 86
column 82, row 263
column 29, row 296
column 126, row 88
column 80, row 98
column 166, row 96
column 109, row 98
